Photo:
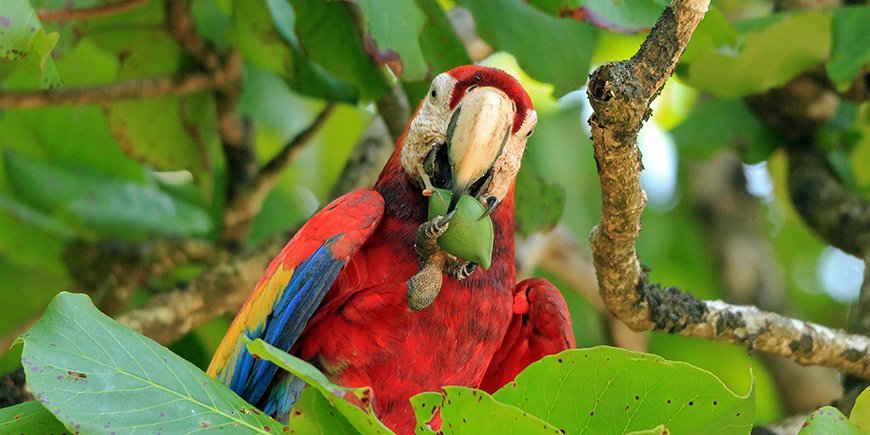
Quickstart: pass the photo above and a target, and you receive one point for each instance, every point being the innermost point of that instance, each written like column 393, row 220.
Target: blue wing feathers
column 310, row 281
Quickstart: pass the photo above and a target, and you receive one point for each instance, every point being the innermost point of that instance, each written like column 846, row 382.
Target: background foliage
column 83, row 184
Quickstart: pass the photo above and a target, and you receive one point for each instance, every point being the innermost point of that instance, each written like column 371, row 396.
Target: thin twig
column 273, row 168
column 70, row 14
column 132, row 89
column 221, row 289
column 620, row 94
column 180, row 25
column 245, row 205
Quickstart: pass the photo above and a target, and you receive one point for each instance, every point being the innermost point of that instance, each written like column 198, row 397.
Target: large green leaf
column 850, row 45
column 612, row 390
column 394, row 27
column 78, row 136
column 315, row 415
column 861, row 411
column 441, row 46
column 466, row 410
column 31, row 239
column 721, row 123
column 29, row 417
column 828, row 420
column 96, row 375
column 25, row 48
column 551, row 50
column 540, row 204
column 329, row 36
column 105, row 205
column 768, row 57
column 364, row 420
column 170, row 133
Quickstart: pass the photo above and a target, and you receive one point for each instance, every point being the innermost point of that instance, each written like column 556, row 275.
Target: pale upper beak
column 478, row 130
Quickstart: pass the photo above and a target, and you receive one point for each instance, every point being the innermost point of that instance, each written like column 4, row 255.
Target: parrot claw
column 424, row 287
column 426, row 243
column 460, row 269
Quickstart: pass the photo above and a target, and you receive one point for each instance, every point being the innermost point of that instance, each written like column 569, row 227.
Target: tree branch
column 70, row 14
column 246, row 205
column 132, row 89
column 219, row 290
column 181, row 27
column 620, row 94
column 839, row 217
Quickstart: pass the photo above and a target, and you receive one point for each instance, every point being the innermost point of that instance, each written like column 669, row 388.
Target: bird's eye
column 530, row 133
column 433, row 94
column 470, row 88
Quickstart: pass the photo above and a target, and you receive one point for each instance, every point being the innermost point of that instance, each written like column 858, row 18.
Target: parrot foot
column 424, row 287
column 426, row 242
column 460, row 269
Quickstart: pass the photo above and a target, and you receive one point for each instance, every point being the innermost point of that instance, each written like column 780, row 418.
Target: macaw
column 338, row 295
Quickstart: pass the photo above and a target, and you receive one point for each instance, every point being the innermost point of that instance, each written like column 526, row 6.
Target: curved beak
column 478, row 130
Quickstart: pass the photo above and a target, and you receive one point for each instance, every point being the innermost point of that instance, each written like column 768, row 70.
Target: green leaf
column 25, row 48
column 329, row 37
column 467, row 410
column 364, row 420
column 606, row 389
column 315, row 415
column 860, row 416
column 797, row 43
column 540, row 204
column 658, row 430
column 850, row 45
column 394, row 27
column 96, row 375
column 29, row 417
column 441, row 46
column 627, row 16
column 171, row 134
column 713, row 33
column 31, row 239
column 551, row 50
column 255, row 35
column 105, row 205
column 828, row 420
column 74, row 136
column 721, row 123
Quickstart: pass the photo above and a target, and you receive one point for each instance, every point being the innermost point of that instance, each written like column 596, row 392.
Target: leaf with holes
column 25, row 48
column 611, row 390
column 364, row 420
column 828, row 420
column 29, row 417
column 96, row 376
column 861, row 411
column 466, row 410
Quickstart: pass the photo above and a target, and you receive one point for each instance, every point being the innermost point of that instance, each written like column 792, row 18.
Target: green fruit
column 468, row 236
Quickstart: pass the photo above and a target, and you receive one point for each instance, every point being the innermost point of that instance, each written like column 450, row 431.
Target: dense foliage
column 86, row 190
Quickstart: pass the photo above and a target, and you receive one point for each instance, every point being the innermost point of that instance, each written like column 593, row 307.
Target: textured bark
column 620, row 94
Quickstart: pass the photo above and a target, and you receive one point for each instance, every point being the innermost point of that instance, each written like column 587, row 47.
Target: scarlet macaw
column 338, row 294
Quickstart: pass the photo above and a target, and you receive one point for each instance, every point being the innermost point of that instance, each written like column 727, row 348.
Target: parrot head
column 469, row 133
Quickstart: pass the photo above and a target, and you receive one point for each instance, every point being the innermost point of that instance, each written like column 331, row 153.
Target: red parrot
column 341, row 295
